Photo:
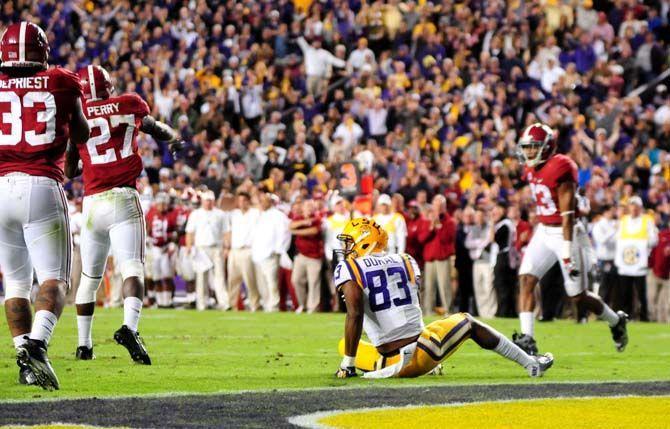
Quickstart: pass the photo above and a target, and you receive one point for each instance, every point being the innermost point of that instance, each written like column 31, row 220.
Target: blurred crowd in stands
column 297, row 113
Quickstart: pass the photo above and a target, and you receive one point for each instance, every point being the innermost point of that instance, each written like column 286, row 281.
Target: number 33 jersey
column 110, row 156
column 544, row 182
column 390, row 284
column 35, row 112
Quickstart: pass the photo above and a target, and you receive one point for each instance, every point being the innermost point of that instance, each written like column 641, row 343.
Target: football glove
column 347, row 372
column 571, row 268
column 175, row 147
column 568, row 262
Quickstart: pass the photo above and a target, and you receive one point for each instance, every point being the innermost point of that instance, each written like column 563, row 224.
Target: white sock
column 19, row 340
column 132, row 308
column 159, row 298
column 151, row 293
column 84, row 327
column 167, row 297
column 190, row 297
column 527, row 320
column 511, row 351
column 609, row 316
column 43, row 326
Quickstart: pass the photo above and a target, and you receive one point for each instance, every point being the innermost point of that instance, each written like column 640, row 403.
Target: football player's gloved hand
column 568, row 262
column 347, row 368
column 571, row 268
column 347, row 372
column 175, row 147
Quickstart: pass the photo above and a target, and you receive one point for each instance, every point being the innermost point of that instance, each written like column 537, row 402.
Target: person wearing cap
column 161, row 230
column 361, row 56
column 271, row 239
column 332, row 226
column 636, row 236
column 205, row 231
column 393, row 222
column 243, row 221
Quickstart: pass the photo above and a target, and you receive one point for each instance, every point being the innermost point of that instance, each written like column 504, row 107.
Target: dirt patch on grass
column 272, row 409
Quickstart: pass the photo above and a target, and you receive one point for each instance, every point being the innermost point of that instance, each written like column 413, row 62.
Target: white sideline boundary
column 311, row 420
column 362, row 386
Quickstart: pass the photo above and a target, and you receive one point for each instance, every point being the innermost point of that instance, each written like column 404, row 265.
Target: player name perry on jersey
column 544, row 182
column 110, row 156
column 391, row 294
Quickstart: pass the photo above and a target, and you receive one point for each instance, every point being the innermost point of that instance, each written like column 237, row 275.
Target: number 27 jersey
column 390, row 284
column 110, row 156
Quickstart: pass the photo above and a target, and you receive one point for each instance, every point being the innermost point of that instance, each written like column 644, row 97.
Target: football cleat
column 26, row 376
column 84, row 353
column 33, row 355
column 541, row 365
column 620, row 332
column 525, row 343
column 134, row 344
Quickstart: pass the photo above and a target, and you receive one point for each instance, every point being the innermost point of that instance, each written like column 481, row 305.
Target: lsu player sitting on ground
column 381, row 292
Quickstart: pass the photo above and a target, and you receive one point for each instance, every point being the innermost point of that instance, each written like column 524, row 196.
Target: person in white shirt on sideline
column 332, row 226
column 636, row 237
column 271, row 239
column 393, row 223
column 76, row 220
column 243, row 221
column 318, row 62
column 205, row 231
column 604, row 237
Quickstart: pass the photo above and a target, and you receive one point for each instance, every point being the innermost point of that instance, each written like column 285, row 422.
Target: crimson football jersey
column 161, row 225
column 110, row 156
column 544, row 181
column 35, row 113
column 179, row 218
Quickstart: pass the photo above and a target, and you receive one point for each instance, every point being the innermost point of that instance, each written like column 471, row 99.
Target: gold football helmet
column 362, row 236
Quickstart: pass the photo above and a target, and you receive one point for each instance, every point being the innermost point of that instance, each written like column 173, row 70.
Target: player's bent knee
column 17, row 290
column 88, row 288
column 132, row 268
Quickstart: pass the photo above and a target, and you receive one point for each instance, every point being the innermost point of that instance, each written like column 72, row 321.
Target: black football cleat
column 84, row 353
column 33, row 355
column 134, row 344
column 26, row 376
column 525, row 343
column 620, row 332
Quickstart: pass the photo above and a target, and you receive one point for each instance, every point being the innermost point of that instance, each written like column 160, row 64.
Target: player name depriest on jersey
column 33, row 82
column 103, row 109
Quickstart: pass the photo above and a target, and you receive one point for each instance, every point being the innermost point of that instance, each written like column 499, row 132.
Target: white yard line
column 370, row 385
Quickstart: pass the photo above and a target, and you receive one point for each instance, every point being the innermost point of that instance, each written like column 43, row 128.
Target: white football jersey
column 391, row 293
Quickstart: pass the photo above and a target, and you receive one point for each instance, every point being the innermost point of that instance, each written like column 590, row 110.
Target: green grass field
column 206, row 352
